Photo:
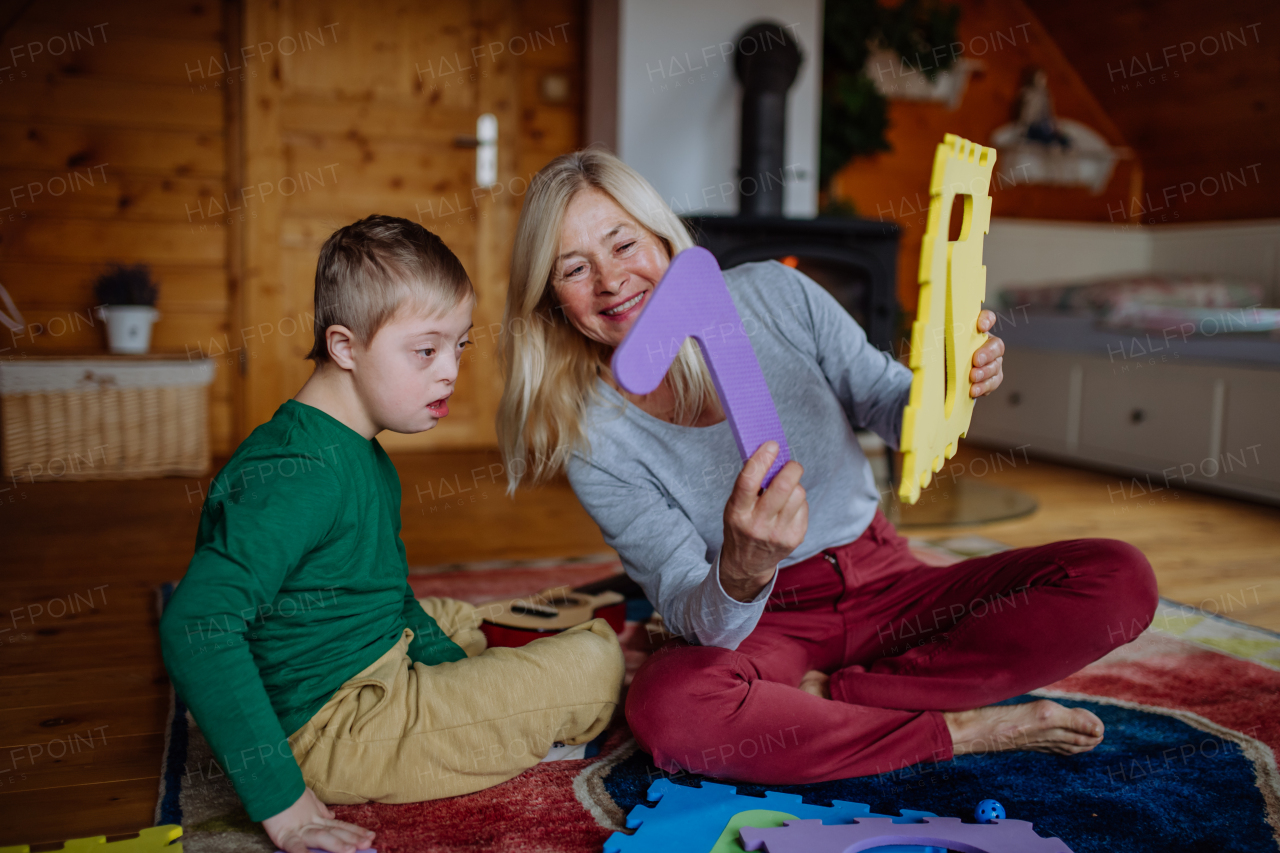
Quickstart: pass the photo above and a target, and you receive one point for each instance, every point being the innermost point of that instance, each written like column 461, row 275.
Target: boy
column 295, row 638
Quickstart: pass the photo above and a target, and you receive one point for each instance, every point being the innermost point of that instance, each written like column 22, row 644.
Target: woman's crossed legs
column 914, row 655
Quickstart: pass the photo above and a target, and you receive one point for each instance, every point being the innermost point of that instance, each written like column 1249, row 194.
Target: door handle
column 485, row 142
column 486, row 150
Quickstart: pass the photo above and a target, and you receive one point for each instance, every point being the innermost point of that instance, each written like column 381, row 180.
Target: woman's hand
column 988, row 361
column 761, row 529
column 309, row 823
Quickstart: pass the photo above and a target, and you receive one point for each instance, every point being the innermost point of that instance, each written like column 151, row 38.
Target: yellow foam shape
column 945, row 334
column 154, row 839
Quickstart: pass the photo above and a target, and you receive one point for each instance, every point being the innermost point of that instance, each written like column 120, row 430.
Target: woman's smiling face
column 607, row 268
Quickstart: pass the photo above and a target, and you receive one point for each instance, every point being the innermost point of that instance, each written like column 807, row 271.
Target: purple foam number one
column 692, row 301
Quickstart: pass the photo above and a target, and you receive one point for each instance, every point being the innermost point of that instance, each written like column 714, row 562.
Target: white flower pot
column 128, row 327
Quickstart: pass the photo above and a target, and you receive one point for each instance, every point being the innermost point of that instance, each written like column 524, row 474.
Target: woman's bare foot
column 1041, row 726
column 817, row 683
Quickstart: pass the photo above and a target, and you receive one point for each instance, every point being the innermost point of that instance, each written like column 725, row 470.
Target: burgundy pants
column 902, row 642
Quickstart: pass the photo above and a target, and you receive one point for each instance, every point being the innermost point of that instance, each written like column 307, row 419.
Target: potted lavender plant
column 126, row 297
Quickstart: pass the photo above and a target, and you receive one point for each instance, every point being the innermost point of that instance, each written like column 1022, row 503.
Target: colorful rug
column 1192, row 709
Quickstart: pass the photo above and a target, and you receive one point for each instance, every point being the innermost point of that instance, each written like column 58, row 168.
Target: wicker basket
column 104, row 418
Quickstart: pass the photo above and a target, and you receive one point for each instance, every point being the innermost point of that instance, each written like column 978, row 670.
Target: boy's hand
column 309, row 823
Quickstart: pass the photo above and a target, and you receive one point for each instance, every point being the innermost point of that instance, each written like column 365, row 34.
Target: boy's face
column 404, row 377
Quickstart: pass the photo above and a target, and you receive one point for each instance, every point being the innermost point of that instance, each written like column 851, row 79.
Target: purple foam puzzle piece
column 813, row 836
column 693, row 301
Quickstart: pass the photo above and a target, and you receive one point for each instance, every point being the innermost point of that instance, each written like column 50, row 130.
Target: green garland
column 854, row 115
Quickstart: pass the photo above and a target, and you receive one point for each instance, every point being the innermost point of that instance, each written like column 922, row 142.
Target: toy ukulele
column 944, row 336
column 517, row 621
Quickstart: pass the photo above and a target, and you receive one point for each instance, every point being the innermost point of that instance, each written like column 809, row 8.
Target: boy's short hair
column 368, row 269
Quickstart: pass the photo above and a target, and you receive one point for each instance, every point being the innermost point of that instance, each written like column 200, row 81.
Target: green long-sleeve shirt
column 298, row 582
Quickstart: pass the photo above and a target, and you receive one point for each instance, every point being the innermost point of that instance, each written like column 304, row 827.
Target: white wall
column 1032, row 252
column 1029, row 252
column 1247, row 250
column 678, row 101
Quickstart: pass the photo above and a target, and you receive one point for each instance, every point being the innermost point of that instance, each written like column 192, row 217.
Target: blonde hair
column 550, row 367
column 369, row 268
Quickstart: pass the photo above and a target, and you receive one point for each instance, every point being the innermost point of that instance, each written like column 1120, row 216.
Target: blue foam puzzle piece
column 686, row 819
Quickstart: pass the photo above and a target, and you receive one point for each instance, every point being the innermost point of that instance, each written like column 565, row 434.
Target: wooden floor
column 83, row 694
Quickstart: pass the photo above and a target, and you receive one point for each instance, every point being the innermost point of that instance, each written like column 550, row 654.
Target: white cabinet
column 1179, row 423
column 1147, row 418
column 1029, row 407
column 1251, row 431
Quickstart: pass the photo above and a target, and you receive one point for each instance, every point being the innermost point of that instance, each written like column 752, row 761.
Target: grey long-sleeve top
column 658, row 490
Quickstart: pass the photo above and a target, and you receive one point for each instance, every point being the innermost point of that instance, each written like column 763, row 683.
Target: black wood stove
column 856, row 260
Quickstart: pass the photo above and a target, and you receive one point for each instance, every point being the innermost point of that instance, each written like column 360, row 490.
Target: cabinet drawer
column 1154, row 419
column 1251, row 432
column 1032, row 404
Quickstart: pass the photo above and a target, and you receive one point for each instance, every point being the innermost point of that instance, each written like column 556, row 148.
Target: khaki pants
column 402, row 732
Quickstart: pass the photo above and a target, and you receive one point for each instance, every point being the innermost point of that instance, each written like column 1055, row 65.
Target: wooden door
column 354, row 108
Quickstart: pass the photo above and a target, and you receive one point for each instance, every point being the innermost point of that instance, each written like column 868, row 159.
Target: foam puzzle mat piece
column 693, row 301
column 812, row 836
column 686, row 819
column 153, row 839
column 728, row 841
column 944, row 335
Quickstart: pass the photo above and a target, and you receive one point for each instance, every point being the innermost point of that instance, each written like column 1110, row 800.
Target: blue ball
column 988, row 810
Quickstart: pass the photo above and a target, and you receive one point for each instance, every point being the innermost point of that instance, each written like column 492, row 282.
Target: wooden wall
column 1007, row 38
column 106, row 147
column 1193, row 87
column 223, row 143
column 380, row 110
column 373, row 135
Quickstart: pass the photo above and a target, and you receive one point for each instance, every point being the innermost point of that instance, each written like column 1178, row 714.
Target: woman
column 812, row 646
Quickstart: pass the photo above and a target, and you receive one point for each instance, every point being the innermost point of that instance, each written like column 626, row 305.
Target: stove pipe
column 765, row 62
